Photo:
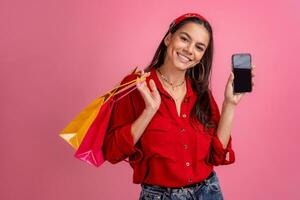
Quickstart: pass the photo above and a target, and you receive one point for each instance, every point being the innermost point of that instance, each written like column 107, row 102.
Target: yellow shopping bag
column 78, row 127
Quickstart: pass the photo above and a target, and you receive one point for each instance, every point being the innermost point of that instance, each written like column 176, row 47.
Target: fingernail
column 140, row 84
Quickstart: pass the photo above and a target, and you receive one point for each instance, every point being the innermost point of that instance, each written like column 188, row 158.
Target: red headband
column 185, row 16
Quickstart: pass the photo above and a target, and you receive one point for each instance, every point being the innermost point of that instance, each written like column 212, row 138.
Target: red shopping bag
column 90, row 149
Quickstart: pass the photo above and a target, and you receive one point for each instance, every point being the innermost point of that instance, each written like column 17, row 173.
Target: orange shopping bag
column 87, row 131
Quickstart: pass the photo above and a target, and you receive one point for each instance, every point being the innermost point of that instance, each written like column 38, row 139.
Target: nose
column 188, row 49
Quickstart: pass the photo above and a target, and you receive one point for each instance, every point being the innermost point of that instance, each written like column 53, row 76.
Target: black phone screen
column 241, row 66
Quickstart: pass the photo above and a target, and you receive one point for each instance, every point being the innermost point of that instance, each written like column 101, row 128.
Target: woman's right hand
column 150, row 94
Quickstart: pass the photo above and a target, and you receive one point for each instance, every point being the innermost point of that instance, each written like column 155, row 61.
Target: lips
column 183, row 58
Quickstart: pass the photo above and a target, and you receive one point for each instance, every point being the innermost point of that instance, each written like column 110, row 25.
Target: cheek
column 169, row 54
column 178, row 44
column 199, row 56
column 173, row 48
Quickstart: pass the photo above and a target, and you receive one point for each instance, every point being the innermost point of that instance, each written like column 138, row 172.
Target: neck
column 173, row 75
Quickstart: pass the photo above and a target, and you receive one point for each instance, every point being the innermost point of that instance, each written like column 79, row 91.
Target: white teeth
column 184, row 58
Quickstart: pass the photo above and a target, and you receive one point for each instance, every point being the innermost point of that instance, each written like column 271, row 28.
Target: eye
column 199, row 48
column 183, row 39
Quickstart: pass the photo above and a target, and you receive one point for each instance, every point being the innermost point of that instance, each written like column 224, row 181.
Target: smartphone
column 241, row 67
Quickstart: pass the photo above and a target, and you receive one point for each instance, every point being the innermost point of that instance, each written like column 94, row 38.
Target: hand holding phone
column 241, row 67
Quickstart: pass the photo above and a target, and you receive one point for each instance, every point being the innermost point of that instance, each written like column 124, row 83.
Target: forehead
column 197, row 32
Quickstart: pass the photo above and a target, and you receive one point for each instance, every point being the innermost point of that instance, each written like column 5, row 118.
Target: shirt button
column 182, row 130
column 184, row 115
column 186, row 100
column 190, row 180
column 185, row 146
column 187, row 164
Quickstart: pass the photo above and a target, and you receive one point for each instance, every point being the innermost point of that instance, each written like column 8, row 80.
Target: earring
column 203, row 72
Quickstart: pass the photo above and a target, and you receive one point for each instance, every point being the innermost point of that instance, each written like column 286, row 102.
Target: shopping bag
column 77, row 128
column 87, row 131
column 90, row 149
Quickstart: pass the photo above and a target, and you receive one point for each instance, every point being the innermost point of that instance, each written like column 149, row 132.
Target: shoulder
column 129, row 82
column 129, row 78
column 130, row 95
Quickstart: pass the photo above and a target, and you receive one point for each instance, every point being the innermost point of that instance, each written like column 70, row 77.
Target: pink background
column 57, row 56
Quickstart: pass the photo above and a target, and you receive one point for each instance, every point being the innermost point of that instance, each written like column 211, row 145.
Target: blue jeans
column 209, row 189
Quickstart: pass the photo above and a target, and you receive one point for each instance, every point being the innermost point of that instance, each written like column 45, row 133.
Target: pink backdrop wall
column 56, row 56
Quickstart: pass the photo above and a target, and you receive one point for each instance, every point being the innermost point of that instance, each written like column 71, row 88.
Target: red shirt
column 170, row 152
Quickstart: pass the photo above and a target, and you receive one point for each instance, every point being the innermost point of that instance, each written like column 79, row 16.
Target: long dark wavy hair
column 201, row 111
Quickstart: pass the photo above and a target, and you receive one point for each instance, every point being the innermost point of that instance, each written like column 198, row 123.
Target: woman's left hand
column 231, row 97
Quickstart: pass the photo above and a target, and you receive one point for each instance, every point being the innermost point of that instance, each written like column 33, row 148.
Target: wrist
column 228, row 105
column 149, row 112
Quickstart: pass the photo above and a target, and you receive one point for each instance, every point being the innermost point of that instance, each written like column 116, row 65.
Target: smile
column 183, row 58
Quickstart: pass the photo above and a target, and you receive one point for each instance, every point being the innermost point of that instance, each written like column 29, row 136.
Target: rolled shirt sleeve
column 220, row 155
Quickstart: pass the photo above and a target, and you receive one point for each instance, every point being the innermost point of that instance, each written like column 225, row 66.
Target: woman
column 170, row 128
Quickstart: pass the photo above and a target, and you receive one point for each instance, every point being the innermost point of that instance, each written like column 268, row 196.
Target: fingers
column 143, row 89
column 143, row 86
column 253, row 74
column 253, row 71
column 145, row 74
column 153, row 86
column 230, row 78
column 143, row 77
column 149, row 93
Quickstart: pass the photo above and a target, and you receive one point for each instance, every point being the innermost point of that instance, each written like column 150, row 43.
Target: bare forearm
column 225, row 123
column 140, row 124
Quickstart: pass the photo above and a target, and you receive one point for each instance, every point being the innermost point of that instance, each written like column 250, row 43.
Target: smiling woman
column 188, row 45
column 171, row 128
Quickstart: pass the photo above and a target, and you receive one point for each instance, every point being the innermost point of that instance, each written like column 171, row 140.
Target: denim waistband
column 172, row 189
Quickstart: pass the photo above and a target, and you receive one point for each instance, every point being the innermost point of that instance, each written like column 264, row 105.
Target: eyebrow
column 187, row 35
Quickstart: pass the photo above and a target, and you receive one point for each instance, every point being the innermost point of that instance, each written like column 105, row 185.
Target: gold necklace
column 169, row 82
column 171, row 91
column 174, row 97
